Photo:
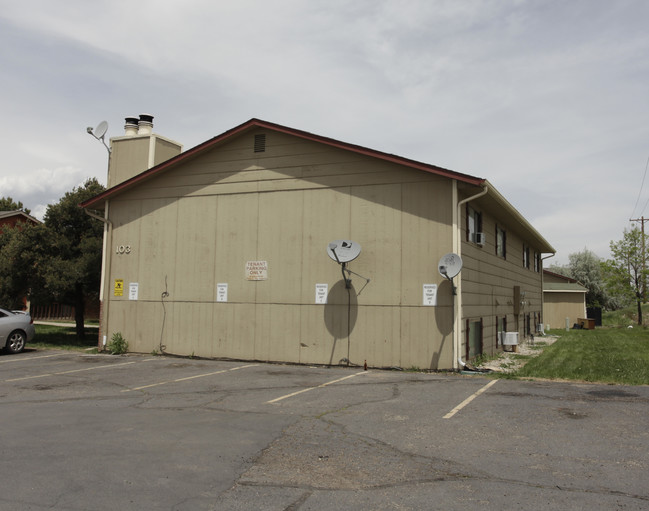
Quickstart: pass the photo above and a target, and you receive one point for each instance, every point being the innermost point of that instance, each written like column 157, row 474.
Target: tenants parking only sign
column 257, row 270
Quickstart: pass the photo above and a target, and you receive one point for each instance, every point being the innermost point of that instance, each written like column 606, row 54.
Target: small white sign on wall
column 133, row 289
column 222, row 292
column 321, row 291
column 430, row 295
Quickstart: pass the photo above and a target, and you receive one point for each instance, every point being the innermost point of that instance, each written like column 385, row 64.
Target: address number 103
column 123, row 249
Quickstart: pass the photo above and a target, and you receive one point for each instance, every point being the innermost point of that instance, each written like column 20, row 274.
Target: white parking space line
column 68, row 372
column 313, row 388
column 469, row 399
column 14, row 358
column 203, row 375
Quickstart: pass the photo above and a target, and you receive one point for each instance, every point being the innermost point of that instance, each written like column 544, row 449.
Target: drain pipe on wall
column 542, row 293
column 108, row 232
column 457, row 243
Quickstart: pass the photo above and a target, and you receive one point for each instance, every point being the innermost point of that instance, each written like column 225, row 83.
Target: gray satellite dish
column 343, row 251
column 450, row 265
column 99, row 133
column 101, row 129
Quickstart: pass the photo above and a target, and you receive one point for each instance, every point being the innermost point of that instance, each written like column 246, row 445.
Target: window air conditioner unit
column 511, row 339
column 479, row 238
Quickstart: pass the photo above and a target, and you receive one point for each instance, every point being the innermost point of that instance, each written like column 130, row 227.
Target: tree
column 59, row 260
column 627, row 270
column 8, row 204
column 73, row 270
column 586, row 268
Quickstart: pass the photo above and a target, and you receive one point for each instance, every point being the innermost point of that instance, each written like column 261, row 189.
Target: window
column 501, row 242
column 537, row 262
column 473, row 224
column 526, row 257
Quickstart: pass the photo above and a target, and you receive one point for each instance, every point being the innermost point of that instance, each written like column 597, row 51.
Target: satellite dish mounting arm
column 99, row 133
column 348, row 281
column 442, row 270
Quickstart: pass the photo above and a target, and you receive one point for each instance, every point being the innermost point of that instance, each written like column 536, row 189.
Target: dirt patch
column 511, row 361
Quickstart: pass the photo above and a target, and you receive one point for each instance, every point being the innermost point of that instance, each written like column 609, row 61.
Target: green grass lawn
column 606, row 355
column 62, row 337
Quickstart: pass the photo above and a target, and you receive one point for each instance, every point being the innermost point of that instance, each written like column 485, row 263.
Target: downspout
column 457, row 242
column 103, row 296
column 542, row 293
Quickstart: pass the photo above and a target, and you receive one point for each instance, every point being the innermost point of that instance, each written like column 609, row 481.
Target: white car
column 16, row 329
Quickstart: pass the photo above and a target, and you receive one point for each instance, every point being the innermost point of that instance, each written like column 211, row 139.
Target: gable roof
column 22, row 216
column 562, row 284
column 227, row 136
column 493, row 195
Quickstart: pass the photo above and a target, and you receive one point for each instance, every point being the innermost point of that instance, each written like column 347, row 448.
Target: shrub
column 117, row 344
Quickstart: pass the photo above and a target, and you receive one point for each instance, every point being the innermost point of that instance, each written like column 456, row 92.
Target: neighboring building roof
column 562, row 284
column 18, row 215
column 492, row 194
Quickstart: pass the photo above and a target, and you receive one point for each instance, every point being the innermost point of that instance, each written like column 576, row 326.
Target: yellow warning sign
column 119, row 287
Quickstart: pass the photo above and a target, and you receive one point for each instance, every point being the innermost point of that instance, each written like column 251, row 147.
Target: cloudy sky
column 547, row 99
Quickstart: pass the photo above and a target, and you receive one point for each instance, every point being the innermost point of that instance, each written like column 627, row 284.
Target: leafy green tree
column 627, row 269
column 59, row 260
column 8, row 204
column 73, row 270
column 586, row 268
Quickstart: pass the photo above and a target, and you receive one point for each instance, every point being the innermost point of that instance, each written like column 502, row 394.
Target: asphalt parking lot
column 97, row 432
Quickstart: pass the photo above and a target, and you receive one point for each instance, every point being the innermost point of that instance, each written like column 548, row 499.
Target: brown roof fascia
column 258, row 123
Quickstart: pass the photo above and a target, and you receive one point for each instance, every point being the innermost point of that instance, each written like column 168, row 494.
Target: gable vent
column 260, row 143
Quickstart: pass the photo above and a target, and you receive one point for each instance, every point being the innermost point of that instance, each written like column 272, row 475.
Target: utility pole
column 642, row 220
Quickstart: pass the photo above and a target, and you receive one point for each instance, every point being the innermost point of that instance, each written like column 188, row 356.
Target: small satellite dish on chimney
column 101, row 129
column 99, row 133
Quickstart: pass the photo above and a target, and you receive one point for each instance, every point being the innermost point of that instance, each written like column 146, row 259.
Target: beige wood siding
column 560, row 306
column 488, row 280
column 197, row 226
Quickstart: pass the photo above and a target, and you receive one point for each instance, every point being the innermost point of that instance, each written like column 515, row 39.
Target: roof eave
column 98, row 200
column 543, row 245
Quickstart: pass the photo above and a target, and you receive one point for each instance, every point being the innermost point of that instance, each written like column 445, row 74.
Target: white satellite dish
column 101, row 129
column 99, row 133
column 450, row 265
column 343, row 251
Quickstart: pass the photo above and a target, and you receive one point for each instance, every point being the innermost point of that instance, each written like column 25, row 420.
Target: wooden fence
column 54, row 311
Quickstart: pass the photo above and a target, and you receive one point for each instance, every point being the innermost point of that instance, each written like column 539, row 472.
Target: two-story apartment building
column 225, row 250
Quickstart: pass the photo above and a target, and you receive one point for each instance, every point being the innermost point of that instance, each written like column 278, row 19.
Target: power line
column 642, row 220
column 640, row 191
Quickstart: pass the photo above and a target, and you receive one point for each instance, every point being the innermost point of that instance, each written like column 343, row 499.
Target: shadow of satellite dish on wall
column 340, row 314
column 341, row 310
column 444, row 313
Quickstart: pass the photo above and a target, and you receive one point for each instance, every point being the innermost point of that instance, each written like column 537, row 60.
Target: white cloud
column 545, row 99
column 41, row 187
